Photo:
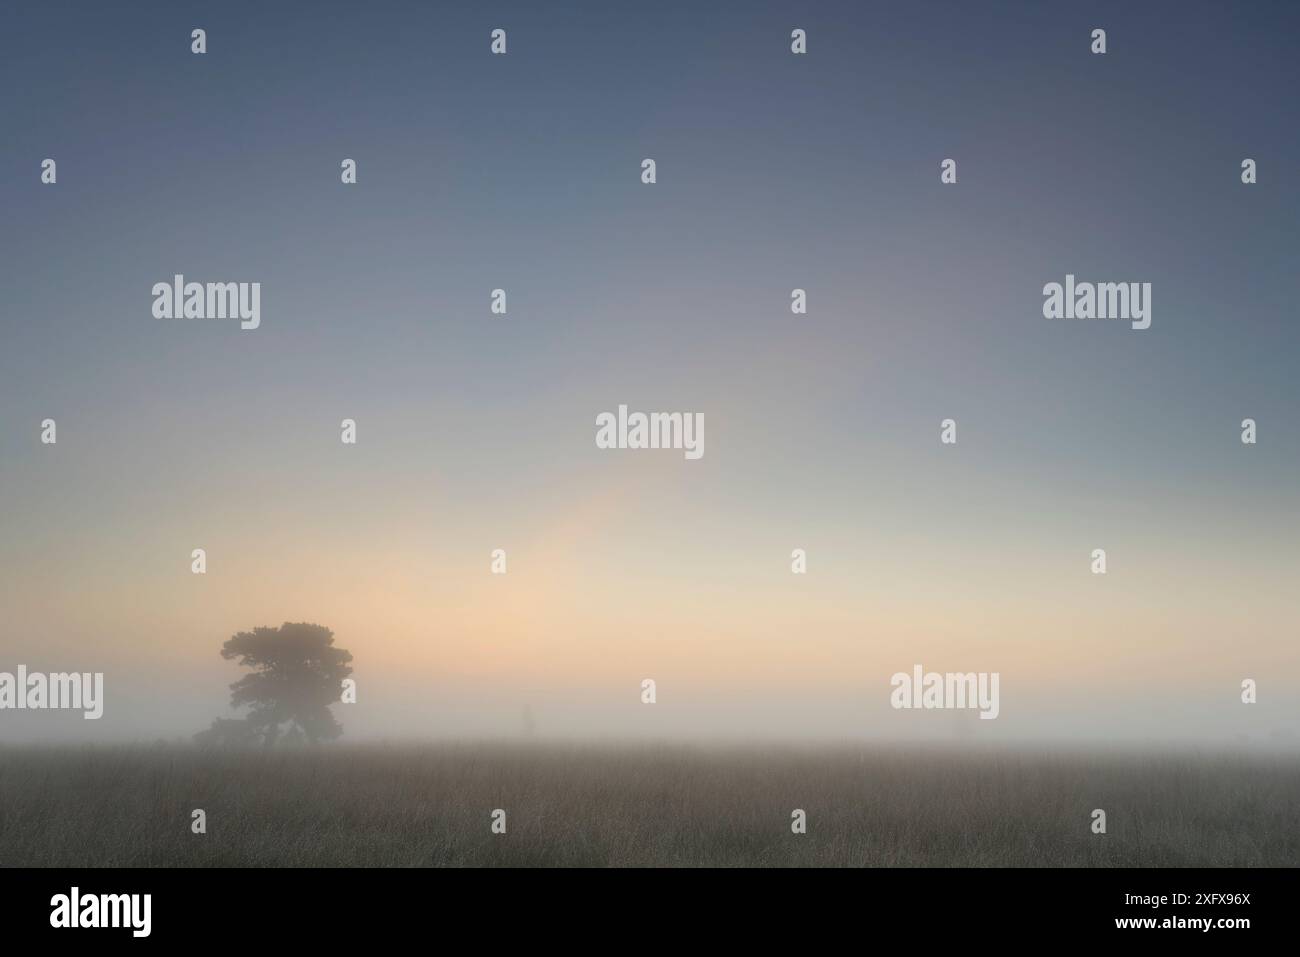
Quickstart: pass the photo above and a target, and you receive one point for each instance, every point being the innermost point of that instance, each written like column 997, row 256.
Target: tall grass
column 642, row 805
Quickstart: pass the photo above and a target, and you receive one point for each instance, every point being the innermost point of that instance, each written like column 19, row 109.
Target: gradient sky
column 822, row 431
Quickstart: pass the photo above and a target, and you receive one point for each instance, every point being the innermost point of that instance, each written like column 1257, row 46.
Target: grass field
column 643, row 805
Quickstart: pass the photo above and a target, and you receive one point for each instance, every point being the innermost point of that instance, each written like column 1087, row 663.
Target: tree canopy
column 297, row 673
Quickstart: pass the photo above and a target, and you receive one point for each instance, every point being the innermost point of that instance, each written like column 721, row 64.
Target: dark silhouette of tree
column 226, row 733
column 297, row 674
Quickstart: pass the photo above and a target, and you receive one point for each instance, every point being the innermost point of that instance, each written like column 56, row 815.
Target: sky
column 476, row 432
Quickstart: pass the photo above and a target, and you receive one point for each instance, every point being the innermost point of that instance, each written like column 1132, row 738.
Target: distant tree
column 297, row 674
column 226, row 733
